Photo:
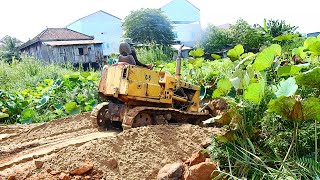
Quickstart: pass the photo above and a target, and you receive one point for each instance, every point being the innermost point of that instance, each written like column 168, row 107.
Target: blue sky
column 26, row 18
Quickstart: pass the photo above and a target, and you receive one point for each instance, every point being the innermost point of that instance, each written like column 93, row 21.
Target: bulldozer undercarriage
column 111, row 115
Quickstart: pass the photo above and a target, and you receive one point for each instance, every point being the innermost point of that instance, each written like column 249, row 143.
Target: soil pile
column 54, row 150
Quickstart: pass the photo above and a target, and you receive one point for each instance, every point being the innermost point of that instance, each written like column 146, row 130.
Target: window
column 80, row 51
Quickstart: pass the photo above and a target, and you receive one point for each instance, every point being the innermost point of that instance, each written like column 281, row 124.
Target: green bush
column 34, row 92
column 215, row 39
column 248, row 36
column 154, row 54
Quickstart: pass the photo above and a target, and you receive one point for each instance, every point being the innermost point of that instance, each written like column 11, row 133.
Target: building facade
column 185, row 18
column 61, row 45
column 105, row 28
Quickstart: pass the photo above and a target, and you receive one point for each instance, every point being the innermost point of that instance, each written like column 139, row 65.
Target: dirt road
column 67, row 143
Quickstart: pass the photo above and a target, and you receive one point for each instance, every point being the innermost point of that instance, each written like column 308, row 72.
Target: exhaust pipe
column 178, row 63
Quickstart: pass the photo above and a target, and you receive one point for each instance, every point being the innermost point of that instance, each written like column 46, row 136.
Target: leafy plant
column 71, row 93
column 9, row 49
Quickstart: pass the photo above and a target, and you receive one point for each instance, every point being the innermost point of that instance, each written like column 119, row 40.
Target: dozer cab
column 136, row 96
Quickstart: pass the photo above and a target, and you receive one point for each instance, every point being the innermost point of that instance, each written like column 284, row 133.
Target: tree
column 248, row 36
column 277, row 28
column 215, row 39
column 10, row 49
column 148, row 25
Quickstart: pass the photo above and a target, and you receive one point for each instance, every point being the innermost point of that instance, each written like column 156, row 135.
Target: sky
column 24, row 19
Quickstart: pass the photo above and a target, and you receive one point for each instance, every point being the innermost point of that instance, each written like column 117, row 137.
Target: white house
column 185, row 18
column 104, row 27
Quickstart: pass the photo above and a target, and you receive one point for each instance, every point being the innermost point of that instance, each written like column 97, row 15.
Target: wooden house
column 62, row 45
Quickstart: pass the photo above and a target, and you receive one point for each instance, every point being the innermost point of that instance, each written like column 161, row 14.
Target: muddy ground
column 64, row 144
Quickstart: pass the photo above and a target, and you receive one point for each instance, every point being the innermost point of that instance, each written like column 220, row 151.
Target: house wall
column 33, row 50
column 185, row 19
column 181, row 10
column 188, row 34
column 103, row 27
column 65, row 54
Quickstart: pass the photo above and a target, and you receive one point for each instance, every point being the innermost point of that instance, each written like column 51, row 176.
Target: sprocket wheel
column 142, row 119
column 99, row 116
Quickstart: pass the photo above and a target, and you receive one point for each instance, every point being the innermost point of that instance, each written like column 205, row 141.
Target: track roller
column 142, row 119
column 99, row 116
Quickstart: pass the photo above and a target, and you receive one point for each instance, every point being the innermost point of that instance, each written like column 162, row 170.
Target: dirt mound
column 137, row 153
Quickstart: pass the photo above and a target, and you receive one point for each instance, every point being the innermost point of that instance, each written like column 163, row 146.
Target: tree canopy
column 251, row 37
column 148, row 25
column 215, row 39
column 278, row 28
column 10, row 48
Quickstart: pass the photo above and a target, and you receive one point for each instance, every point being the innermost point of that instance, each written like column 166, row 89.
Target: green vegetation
column 275, row 28
column 154, row 54
column 148, row 26
column 34, row 92
column 273, row 108
column 251, row 37
column 272, row 92
column 9, row 49
column 215, row 39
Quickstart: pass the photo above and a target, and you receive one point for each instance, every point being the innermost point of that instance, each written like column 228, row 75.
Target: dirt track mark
column 26, row 136
column 49, row 148
column 53, row 128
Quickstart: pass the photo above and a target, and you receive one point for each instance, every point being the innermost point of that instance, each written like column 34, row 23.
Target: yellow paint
column 136, row 88
column 134, row 83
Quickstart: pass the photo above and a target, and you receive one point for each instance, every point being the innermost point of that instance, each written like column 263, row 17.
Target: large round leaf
column 254, row 92
column 27, row 115
column 310, row 78
column 287, row 87
column 264, row 59
column 43, row 101
column 72, row 108
column 3, row 115
column 285, row 37
column 236, row 51
column 291, row 70
column 294, row 109
column 196, row 53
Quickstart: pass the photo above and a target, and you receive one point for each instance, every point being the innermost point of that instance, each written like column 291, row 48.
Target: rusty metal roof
column 57, row 34
column 76, row 42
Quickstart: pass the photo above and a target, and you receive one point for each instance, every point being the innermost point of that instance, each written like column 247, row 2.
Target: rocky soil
column 72, row 148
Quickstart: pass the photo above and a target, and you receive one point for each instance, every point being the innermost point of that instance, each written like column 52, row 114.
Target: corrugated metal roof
column 77, row 42
column 57, row 34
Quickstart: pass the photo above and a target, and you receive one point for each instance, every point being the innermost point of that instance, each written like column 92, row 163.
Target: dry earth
column 67, row 143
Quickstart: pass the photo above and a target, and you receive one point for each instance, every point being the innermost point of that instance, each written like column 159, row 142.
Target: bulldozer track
column 177, row 115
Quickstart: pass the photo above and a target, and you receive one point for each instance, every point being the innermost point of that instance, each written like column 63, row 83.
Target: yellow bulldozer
column 137, row 96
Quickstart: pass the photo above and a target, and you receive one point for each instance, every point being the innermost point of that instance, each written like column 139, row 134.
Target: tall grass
column 154, row 54
column 28, row 72
column 32, row 91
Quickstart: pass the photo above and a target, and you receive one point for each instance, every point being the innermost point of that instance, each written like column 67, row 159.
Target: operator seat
column 125, row 54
